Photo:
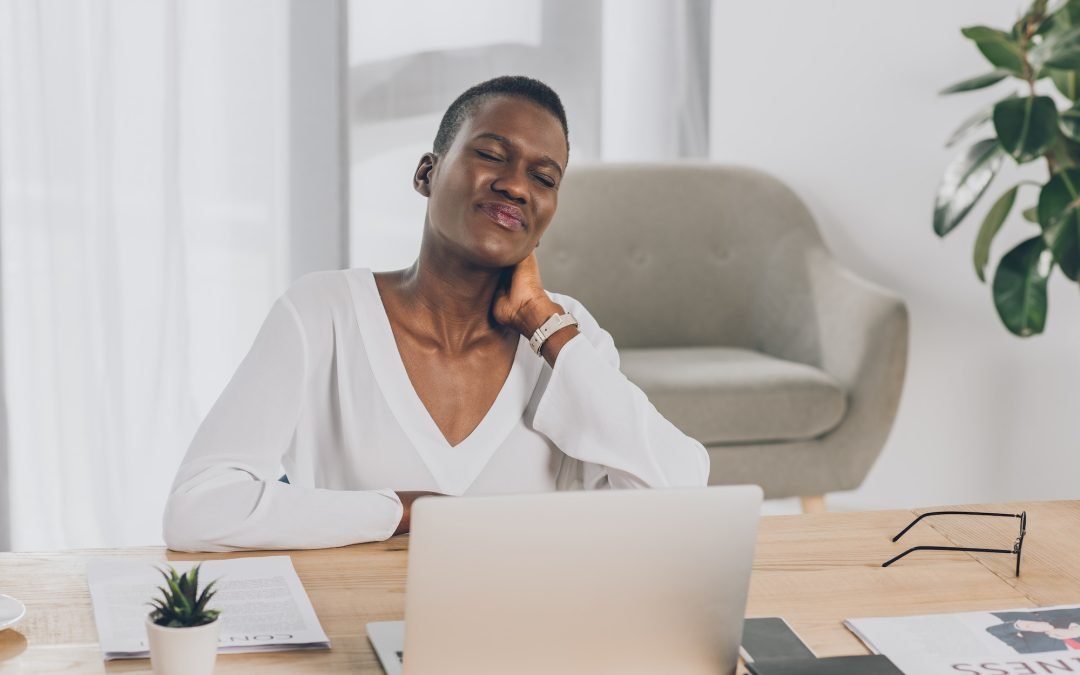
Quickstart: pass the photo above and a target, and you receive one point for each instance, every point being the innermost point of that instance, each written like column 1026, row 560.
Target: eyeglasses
column 1016, row 549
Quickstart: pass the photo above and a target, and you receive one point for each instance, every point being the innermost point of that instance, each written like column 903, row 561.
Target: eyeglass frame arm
column 946, row 548
column 950, row 513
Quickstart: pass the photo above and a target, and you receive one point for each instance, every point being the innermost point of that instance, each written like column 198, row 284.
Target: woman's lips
column 509, row 217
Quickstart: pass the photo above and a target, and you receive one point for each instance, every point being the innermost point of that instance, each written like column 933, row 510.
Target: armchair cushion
column 726, row 395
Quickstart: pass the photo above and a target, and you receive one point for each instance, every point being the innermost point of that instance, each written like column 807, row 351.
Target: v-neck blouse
column 324, row 395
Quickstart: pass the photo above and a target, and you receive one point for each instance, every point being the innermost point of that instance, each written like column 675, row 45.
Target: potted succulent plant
column 182, row 630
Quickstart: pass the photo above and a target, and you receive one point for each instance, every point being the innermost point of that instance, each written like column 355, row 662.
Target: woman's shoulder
column 318, row 295
column 326, row 286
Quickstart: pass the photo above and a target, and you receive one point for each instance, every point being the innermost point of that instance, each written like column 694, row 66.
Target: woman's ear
column 422, row 176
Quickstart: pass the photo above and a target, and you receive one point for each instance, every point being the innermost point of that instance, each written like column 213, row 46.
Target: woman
column 374, row 389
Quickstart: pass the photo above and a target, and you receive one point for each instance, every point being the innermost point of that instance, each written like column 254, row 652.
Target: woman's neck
column 448, row 300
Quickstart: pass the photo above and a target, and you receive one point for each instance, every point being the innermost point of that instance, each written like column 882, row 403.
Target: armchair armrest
column 863, row 328
column 851, row 329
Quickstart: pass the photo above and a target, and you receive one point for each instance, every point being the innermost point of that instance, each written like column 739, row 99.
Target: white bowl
column 11, row 611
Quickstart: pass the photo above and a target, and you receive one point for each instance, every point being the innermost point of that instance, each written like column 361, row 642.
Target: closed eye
column 543, row 179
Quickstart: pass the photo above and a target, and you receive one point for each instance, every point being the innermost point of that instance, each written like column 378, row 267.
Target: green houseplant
column 182, row 630
column 1042, row 48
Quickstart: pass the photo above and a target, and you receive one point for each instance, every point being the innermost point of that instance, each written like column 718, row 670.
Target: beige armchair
column 732, row 316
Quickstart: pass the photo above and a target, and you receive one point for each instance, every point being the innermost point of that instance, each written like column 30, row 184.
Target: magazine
column 264, row 605
column 1026, row 640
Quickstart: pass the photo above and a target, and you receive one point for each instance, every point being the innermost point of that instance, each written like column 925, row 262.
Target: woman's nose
column 512, row 184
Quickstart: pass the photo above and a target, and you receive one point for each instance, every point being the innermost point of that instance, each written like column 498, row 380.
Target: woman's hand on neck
column 524, row 305
column 456, row 304
column 521, row 302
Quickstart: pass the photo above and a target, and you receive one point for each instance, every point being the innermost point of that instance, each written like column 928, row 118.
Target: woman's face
column 494, row 192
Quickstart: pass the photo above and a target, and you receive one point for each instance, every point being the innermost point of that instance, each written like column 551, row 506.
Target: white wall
column 838, row 99
column 655, row 67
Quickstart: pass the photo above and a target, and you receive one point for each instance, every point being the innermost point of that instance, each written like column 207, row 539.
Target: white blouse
column 324, row 394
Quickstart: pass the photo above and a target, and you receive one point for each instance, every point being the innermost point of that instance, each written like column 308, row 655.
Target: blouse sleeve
column 227, row 495
column 594, row 414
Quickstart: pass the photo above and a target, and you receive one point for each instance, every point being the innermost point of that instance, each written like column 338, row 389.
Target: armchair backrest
column 672, row 255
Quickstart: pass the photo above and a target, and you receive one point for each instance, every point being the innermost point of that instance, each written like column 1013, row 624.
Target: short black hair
column 506, row 85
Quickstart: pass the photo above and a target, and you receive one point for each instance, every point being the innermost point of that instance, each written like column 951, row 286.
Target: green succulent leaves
column 966, row 179
column 180, row 604
column 1026, row 127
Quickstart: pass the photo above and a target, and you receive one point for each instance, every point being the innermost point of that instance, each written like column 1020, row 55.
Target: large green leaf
column 998, row 47
column 978, row 119
column 1050, row 23
column 1059, row 219
column 1066, row 82
column 1070, row 122
column 1020, row 287
column 966, row 179
column 991, row 224
column 1058, row 50
column 977, row 82
column 1063, row 239
column 1065, row 152
column 1047, row 24
column 1066, row 14
column 1026, row 126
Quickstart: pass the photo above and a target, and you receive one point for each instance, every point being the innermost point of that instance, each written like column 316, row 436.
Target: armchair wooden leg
column 813, row 504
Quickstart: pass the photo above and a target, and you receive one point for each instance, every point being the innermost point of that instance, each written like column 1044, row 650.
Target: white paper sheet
column 263, row 604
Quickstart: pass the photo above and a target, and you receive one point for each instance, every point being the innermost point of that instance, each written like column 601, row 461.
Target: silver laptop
column 611, row 581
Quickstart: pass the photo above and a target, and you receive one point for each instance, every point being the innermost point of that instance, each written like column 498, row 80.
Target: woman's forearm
column 407, row 499
column 597, row 416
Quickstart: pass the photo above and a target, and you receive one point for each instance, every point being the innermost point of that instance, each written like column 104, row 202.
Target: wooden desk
column 815, row 570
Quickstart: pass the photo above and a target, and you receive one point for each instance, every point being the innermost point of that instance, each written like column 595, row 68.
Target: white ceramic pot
column 183, row 651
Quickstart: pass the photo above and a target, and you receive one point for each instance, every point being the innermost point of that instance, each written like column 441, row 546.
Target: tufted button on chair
column 733, row 317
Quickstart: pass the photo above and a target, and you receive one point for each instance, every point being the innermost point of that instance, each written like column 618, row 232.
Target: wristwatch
column 554, row 323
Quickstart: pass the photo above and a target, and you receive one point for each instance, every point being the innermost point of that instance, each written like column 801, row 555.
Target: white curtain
column 143, row 189
column 5, row 473
column 632, row 74
column 655, row 86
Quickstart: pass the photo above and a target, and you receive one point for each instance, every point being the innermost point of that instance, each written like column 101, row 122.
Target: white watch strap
column 554, row 323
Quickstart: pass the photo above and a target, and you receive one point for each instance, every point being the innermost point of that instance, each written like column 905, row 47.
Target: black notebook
column 836, row 665
column 771, row 647
column 772, row 638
